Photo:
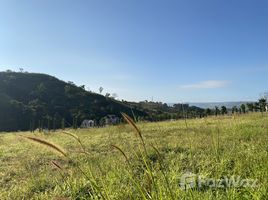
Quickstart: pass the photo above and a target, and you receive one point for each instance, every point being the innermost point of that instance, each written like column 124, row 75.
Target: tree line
column 258, row 106
column 30, row 101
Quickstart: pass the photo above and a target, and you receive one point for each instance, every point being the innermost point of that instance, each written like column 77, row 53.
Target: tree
column 217, row 111
column 48, row 118
column 262, row 104
column 234, row 110
column 208, row 111
column 41, row 90
column 83, row 87
column 250, row 107
column 256, row 106
column 223, row 110
column 100, row 89
column 243, row 108
column 62, row 123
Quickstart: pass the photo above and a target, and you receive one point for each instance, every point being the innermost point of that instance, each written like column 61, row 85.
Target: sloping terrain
column 31, row 100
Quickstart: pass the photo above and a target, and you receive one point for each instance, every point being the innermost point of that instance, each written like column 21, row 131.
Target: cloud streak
column 209, row 84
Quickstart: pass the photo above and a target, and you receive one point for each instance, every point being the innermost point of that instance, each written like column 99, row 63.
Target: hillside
column 33, row 100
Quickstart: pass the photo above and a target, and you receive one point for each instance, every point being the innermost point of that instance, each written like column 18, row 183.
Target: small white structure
column 111, row 120
column 266, row 108
column 87, row 123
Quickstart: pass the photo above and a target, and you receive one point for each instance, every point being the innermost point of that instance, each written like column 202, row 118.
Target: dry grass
column 47, row 144
column 220, row 146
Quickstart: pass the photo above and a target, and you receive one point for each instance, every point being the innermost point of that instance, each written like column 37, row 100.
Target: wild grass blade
column 121, row 151
column 56, row 165
column 134, row 117
column 77, row 139
column 47, row 144
column 72, row 135
column 130, row 121
column 163, row 172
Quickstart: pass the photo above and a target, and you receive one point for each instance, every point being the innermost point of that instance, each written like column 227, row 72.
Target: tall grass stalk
column 78, row 140
column 133, row 125
column 58, row 149
column 130, row 172
column 161, row 163
column 143, row 157
column 47, row 144
column 188, row 135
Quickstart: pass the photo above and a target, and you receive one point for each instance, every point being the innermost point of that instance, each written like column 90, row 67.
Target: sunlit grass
column 122, row 163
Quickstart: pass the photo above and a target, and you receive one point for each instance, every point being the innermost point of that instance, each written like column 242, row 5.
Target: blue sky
column 173, row 51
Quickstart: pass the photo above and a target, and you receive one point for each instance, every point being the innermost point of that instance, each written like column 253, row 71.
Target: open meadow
column 224, row 157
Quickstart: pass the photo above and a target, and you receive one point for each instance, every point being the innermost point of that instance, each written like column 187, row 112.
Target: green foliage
column 262, row 104
column 223, row 110
column 243, row 108
column 29, row 100
column 158, row 111
column 32, row 100
column 250, row 107
column 217, row 110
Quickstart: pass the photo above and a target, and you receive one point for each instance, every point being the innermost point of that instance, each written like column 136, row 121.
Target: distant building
column 266, row 108
column 111, row 120
column 87, row 123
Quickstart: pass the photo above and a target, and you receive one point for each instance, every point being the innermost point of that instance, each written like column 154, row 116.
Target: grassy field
column 213, row 158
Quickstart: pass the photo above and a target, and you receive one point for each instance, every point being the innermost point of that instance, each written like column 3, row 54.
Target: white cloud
column 210, row 84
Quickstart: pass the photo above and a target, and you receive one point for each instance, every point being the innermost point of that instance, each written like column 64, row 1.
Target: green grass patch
column 114, row 163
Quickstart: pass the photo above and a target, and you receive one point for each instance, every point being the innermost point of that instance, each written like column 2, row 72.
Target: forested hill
column 31, row 99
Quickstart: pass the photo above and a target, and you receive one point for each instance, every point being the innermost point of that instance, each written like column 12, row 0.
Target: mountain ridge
column 211, row 105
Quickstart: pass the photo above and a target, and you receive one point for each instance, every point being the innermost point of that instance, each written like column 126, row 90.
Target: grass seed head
column 130, row 121
column 47, row 144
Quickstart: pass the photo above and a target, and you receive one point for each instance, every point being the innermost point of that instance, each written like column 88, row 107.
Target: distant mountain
column 211, row 105
column 31, row 100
